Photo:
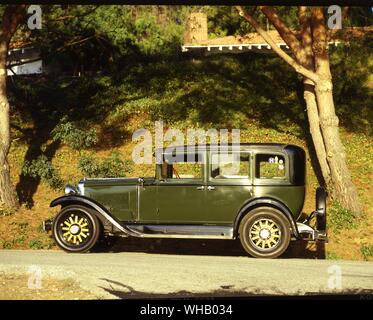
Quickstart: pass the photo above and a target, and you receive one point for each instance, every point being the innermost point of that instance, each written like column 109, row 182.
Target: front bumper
column 47, row 225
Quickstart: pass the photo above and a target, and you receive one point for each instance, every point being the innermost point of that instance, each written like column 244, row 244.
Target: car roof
column 241, row 146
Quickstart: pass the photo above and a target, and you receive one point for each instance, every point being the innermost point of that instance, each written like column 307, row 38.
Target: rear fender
column 270, row 203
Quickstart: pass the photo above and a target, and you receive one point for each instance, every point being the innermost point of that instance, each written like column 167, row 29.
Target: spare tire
column 321, row 196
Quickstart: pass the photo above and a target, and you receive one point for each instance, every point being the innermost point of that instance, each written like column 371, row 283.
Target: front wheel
column 265, row 232
column 76, row 229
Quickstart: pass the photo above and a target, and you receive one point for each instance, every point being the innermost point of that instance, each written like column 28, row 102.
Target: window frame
column 281, row 181
column 230, row 181
column 176, row 181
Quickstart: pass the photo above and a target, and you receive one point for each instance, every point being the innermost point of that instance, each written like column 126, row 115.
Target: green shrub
column 7, row 211
column 332, row 256
column 110, row 167
column 366, row 251
column 40, row 244
column 20, row 225
column 7, row 244
column 341, row 218
column 43, row 169
column 74, row 137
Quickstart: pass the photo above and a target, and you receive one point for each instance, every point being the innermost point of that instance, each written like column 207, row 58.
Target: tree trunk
column 315, row 130
column 7, row 193
column 343, row 189
column 305, row 57
column 13, row 15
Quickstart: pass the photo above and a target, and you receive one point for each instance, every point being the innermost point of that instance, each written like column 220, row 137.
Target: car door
column 180, row 190
column 146, row 201
column 229, row 185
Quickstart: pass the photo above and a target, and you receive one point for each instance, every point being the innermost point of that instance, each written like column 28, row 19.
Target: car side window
column 270, row 166
column 190, row 166
column 230, row 165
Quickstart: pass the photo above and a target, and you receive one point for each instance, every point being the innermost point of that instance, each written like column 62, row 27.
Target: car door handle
column 210, row 188
column 201, row 188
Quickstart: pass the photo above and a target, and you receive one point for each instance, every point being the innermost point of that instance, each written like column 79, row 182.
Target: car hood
column 112, row 181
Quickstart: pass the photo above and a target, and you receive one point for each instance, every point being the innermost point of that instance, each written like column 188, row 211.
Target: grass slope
column 219, row 92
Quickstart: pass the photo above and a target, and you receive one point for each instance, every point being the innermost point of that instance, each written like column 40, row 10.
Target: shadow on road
column 297, row 249
column 122, row 291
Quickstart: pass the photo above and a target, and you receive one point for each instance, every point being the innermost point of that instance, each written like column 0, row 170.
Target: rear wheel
column 265, row 232
column 76, row 229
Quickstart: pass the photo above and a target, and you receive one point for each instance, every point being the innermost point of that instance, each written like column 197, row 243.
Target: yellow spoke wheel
column 265, row 232
column 76, row 228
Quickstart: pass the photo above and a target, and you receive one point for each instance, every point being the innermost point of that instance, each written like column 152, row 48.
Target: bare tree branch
column 320, row 35
column 285, row 33
column 345, row 12
column 73, row 43
column 306, row 58
column 297, row 67
column 12, row 17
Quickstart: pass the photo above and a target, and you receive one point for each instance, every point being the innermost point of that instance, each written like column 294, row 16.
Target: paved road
column 138, row 275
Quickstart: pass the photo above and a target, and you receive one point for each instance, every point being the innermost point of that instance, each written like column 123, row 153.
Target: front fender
column 102, row 212
column 266, row 202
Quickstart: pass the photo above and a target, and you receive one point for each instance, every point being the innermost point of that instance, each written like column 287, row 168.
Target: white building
column 24, row 61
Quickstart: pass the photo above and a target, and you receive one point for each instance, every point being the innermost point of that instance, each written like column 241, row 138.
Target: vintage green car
column 254, row 192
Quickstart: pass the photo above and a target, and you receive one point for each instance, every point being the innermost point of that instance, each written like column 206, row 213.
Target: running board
column 182, row 231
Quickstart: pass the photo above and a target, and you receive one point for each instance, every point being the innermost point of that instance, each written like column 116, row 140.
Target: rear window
column 270, row 166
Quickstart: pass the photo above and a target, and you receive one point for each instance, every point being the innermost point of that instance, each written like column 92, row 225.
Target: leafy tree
column 12, row 17
column 310, row 59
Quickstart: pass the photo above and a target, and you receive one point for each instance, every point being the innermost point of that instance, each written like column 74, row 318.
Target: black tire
column 321, row 200
column 76, row 228
column 265, row 232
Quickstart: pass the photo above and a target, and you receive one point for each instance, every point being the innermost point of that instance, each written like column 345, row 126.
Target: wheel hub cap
column 265, row 234
column 75, row 229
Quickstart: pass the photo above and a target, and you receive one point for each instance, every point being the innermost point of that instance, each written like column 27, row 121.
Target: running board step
column 183, row 231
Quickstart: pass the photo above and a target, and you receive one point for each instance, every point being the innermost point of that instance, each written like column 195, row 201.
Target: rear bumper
column 47, row 225
column 318, row 233
column 306, row 232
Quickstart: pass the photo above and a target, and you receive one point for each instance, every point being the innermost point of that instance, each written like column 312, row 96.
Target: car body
column 254, row 192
